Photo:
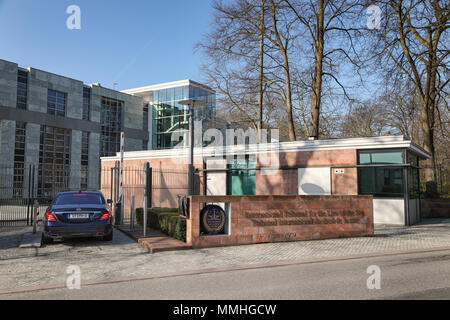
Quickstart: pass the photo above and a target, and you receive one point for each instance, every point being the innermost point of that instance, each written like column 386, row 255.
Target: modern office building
column 166, row 115
column 63, row 126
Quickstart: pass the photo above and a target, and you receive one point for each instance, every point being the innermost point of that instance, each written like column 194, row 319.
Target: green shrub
column 165, row 219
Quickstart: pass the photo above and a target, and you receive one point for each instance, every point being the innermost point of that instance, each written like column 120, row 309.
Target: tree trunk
column 427, row 118
column 261, row 73
column 291, row 127
column 287, row 77
column 318, row 69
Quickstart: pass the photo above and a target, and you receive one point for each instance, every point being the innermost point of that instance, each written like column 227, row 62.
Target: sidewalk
column 124, row 259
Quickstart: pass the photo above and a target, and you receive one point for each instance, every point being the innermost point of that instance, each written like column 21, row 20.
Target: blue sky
column 132, row 43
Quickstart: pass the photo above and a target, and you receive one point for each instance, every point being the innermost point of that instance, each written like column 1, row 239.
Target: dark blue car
column 78, row 214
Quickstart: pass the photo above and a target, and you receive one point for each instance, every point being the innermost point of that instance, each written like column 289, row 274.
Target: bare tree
column 413, row 42
column 325, row 21
column 236, row 49
column 262, row 32
column 282, row 41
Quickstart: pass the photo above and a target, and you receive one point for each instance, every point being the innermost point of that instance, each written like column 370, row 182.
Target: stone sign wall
column 257, row 219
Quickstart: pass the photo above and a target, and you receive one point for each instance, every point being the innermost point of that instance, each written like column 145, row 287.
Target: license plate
column 79, row 216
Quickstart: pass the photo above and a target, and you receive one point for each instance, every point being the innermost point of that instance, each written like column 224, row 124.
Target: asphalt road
column 406, row 276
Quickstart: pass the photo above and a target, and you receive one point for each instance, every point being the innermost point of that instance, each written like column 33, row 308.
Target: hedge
column 165, row 219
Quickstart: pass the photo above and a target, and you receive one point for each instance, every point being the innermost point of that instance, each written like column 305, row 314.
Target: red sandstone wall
column 346, row 183
column 318, row 158
column 277, row 182
column 285, row 182
column 257, row 219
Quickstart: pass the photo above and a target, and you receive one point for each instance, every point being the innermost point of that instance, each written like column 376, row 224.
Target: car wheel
column 108, row 237
column 47, row 240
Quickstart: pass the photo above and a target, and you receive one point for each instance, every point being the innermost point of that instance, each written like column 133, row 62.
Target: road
column 404, row 276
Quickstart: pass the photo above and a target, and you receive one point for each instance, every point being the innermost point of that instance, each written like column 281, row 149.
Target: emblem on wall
column 212, row 219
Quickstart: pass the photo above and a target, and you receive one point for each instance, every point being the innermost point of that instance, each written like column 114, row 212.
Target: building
column 63, row 126
column 168, row 115
column 384, row 167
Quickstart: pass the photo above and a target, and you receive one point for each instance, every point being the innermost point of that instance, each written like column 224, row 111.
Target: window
column 145, row 117
column 145, row 124
column 111, row 126
column 54, row 160
column 79, row 199
column 84, row 160
column 86, row 103
column 413, row 176
column 19, row 159
column 395, row 157
column 56, row 103
column 22, row 89
column 381, row 181
column 170, row 116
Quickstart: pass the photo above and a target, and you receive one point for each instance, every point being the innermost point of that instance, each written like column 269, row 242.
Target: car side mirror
column 109, row 201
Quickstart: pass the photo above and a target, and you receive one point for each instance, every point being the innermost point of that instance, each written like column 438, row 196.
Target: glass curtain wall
column 413, row 176
column 19, row 159
column 86, row 103
column 169, row 116
column 22, row 89
column 54, row 160
column 381, row 181
column 111, row 126
column 84, row 160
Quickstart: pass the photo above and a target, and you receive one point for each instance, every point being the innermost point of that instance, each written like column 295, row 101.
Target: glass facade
column 381, row 181
column 86, row 103
column 413, row 176
column 22, row 89
column 145, row 124
column 56, row 103
column 111, row 126
column 84, row 160
column 54, row 160
column 19, row 159
column 169, row 116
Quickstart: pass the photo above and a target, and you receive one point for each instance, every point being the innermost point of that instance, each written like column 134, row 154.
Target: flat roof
column 383, row 142
column 142, row 91
column 91, row 85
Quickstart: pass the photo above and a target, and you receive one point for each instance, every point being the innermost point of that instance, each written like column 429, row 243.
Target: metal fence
column 133, row 186
column 21, row 185
column 164, row 185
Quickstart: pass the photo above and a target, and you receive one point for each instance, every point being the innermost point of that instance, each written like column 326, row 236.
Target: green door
column 242, row 182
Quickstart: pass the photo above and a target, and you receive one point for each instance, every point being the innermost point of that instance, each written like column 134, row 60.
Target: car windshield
column 79, row 199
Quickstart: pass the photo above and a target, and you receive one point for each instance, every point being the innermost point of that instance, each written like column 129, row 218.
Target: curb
column 215, row 270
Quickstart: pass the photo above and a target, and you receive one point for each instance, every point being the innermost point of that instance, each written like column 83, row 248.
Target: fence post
column 29, row 196
column 148, row 187
column 121, row 197
column 35, row 214
column 132, row 213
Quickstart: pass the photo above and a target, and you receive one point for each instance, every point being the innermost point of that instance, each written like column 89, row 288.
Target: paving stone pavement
column 123, row 257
